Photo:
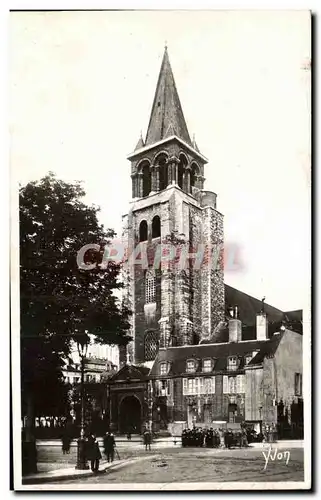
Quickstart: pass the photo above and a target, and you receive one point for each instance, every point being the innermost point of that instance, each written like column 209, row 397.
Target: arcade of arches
column 154, row 178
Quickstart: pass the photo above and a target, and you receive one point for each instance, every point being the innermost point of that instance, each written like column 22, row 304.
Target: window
column 190, row 366
column 143, row 231
column 209, row 385
column 207, row 365
column 225, row 384
column 248, row 358
column 151, row 345
column 240, row 383
column 232, row 385
column 146, row 180
column 156, row 227
column 88, row 377
column 163, row 368
column 150, row 287
column 298, row 384
column 198, row 385
column 163, row 173
column 232, row 363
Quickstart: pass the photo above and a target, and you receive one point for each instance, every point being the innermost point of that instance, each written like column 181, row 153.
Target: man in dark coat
column 93, row 452
column 109, row 445
column 147, row 439
column 66, row 440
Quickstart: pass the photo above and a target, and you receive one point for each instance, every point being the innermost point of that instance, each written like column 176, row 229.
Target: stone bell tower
column 174, row 292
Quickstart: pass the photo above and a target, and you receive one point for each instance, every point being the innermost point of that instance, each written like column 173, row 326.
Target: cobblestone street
column 194, row 465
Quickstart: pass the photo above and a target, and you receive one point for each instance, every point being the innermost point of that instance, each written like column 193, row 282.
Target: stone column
column 201, row 180
column 157, row 177
column 153, row 179
column 188, row 179
column 169, row 172
column 173, row 166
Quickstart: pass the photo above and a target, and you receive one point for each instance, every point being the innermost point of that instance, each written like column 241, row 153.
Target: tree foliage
column 58, row 301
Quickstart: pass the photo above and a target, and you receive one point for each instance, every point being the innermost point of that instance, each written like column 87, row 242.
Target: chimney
column 261, row 326
column 234, row 326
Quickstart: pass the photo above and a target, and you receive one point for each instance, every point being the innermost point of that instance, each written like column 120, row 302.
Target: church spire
column 166, row 110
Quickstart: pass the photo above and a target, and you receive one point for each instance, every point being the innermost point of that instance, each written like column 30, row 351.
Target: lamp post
column 82, row 347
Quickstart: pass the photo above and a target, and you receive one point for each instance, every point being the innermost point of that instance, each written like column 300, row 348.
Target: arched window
column 156, row 227
column 150, row 287
column 194, row 174
column 163, row 173
column 143, row 231
column 146, row 180
column 151, row 345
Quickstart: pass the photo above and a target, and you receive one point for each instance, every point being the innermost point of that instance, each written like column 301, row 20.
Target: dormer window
column 163, row 368
column 248, row 358
column 232, row 363
column 190, row 366
column 207, row 365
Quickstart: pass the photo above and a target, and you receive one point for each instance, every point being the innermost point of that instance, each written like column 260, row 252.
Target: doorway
column 130, row 415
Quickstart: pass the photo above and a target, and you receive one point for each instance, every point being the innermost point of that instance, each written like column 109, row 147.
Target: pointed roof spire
column 166, row 109
column 140, row 144
column 194, row 144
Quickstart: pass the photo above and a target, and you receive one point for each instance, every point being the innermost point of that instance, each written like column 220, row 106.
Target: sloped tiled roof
column 177, row 356
column 249, row 306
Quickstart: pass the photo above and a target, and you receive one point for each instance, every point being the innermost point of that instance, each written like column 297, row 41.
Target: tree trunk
column 29, row 450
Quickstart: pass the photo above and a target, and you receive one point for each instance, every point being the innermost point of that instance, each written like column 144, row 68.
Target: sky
column 81, row 89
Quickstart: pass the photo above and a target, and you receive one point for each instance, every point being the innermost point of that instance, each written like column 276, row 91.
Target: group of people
column 201, row 437
column 92, row 450
column 93, row 453
column 214, row 438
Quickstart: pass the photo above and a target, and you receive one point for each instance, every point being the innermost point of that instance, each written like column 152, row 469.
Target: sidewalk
column 73, row 473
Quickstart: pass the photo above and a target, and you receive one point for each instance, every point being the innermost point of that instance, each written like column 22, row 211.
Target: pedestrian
column 109, row 446
column 129, row 435
column 244, row 438
column 93, row 452
column 147, row 439
column 66, row 440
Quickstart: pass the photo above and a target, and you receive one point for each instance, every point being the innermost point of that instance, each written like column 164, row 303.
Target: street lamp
column 82, row 346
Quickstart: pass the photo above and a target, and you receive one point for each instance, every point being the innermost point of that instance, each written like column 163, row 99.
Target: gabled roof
column 130, row 372
column 177, row 356
column 166, row 110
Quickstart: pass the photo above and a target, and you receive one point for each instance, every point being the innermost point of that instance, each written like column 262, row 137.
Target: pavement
column 55, row 469
column 73, row 473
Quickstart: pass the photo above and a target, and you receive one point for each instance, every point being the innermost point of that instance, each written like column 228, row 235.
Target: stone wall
column 288, row 361
column 254, row 393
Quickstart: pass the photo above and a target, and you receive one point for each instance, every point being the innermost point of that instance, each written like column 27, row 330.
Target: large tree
column 58, row 300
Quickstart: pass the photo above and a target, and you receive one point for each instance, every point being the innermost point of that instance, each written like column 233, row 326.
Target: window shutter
column 213, row 385
column 225, row 384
